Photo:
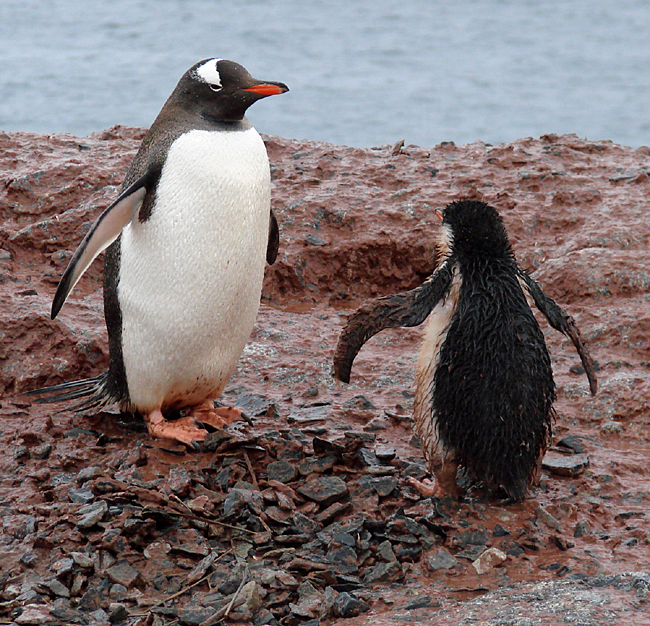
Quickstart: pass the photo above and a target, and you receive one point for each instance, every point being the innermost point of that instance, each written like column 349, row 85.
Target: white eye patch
column 209, row 73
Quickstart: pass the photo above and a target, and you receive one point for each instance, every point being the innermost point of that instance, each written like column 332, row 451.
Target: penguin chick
column 484, row 385
column 187, row 240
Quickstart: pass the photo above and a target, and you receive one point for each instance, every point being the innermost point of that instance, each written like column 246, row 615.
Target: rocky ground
column 307, row 517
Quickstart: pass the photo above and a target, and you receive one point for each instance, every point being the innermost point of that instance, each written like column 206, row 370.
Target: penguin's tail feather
column 94, row 389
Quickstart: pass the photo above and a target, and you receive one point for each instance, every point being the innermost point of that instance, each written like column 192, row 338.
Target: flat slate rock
column 195, row 615
column 282, row 471
column 384, row 486
column 34, row 614
column 254, row 405
column 565, row 465
column 346, row 605
column 419, row 603
column 442, row 560
column 309, row 415
column 344, row 560
column 383, row 572
column 471, row 552
column 92, row 514
column 572, row 442
column 385, row 552
column 324, row 489
column 473, row 538
column 123, row 574
column 317, row 464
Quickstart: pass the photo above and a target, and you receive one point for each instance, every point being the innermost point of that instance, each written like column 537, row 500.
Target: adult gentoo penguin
column 189, row 235
column 484, row 385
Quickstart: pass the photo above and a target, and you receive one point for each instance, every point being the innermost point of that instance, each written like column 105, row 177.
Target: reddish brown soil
column 354, row 224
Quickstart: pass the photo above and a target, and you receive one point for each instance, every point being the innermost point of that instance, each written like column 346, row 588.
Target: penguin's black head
column 222, row 90
column 471, row 227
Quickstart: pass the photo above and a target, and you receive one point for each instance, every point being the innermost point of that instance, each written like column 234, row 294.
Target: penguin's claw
column 425, row 486
column 184, row 429
column 219, row 417
column 443, row 487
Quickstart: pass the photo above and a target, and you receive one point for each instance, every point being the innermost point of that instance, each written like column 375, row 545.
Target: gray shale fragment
column 282, row 471
column 385, row 552
column 565, row 465
column 384, row 486
column 324, row 489
column 82, row 560
column 80, row 496
column 383, row 572
column 344, row 560
column 58, row 588
column 441, row 560
column 581, row 530
column 92, row 514
column 34, row 614
column 346, row 605
column 122, row 574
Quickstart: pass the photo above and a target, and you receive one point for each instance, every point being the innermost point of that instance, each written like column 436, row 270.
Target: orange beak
column 268, row 89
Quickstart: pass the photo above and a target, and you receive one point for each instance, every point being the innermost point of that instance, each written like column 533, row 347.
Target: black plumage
column 484, row 388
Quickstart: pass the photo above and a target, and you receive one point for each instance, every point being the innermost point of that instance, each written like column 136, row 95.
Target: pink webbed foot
column 184, row 429
column 187, row 429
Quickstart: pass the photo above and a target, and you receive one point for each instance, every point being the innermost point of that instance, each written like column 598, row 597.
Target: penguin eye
column 215, row 87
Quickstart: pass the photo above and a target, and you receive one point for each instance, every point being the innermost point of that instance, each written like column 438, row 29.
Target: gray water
column 361, row 73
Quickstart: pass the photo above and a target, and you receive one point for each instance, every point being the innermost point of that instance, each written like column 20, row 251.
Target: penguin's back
column 190, row 273
column 493, row 384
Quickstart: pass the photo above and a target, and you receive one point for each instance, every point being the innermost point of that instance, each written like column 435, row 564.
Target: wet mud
column 308, row 516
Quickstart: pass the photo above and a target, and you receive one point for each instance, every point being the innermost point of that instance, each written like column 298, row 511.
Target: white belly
column 435, row 333
column 191, row 275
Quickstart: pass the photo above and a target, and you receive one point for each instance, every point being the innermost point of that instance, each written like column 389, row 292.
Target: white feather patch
column 209, row 73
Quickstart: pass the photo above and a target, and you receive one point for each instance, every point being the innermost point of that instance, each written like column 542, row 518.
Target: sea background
column 362, row 73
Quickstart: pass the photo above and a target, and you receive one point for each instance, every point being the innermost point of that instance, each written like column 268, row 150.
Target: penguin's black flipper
column 274, row 240
column 403, row 309
column 559, row 319
column 104, row 231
